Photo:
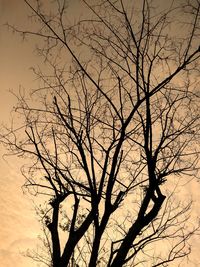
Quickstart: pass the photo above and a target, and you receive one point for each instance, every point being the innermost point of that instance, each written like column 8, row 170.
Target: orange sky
column 18, row 225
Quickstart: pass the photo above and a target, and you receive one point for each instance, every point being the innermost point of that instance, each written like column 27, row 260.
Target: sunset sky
column 19, row 227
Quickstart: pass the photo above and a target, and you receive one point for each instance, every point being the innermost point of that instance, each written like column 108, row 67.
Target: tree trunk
column 135, row 229
column 97, row 239
column 73, row 240
column 95, row 250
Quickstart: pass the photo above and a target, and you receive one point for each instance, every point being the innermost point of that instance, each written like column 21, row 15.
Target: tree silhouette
column 111, row 130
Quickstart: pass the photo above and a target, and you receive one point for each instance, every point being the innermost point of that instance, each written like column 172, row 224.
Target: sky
column 19, row 228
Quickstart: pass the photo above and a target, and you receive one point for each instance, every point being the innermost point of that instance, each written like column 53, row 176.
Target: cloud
column 13, row 254
column 18, row 227
column 10, row 259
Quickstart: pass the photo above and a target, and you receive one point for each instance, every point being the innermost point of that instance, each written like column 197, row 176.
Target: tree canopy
column 111, row 130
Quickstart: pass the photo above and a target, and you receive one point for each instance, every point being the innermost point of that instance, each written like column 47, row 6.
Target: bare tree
column 112, row 129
